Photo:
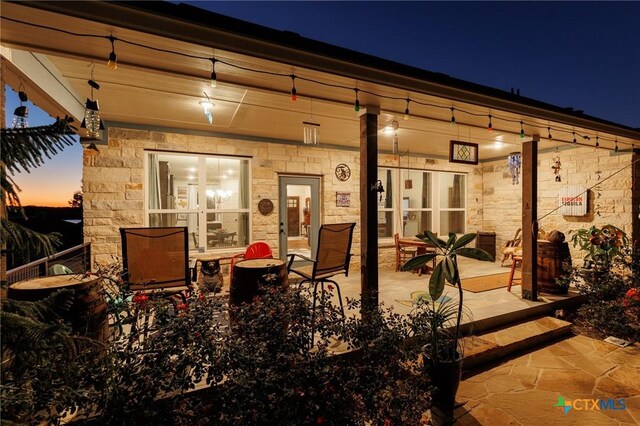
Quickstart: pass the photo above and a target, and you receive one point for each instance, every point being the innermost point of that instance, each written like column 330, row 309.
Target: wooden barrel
column 551, row 257
column 88, row 313
column 248, row 275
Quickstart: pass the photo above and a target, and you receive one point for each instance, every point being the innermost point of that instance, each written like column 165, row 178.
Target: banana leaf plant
column 446, row 270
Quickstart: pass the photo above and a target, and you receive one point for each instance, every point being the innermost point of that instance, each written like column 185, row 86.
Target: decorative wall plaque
column 265, row 206
column 343, row 172
column 463, row 152
column 343, row 199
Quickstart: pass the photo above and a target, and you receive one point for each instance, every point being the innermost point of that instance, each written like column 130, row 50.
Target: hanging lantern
column 311, row 130
column 21, row 113
column 91, row 120
column 514, row 161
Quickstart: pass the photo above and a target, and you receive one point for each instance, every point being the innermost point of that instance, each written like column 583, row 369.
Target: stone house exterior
column 161, row 162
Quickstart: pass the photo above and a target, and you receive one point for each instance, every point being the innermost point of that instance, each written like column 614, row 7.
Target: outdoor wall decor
column 556, row 167
column 574, row 200
column 343, row 199
column 265, row 206
column 343, row 172
column 514, row 161
column 463, row 152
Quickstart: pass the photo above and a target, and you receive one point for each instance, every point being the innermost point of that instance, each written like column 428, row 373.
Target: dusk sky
column 584, row 55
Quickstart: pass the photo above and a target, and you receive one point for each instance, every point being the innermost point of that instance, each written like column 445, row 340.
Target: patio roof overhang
column 157, row 89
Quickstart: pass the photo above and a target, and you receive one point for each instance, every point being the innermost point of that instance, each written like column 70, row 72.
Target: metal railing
column 77, row 258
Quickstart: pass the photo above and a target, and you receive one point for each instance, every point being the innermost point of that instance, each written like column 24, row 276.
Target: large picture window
column 418, row 200
column 210, row 195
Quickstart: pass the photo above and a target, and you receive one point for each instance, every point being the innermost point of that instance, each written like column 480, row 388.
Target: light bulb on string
column 616, row 149
column 214, row 77
column 294, row 92
column 549, row 133
column 113, row 59
column 406, row 110
column 597, row 143
column 490, row 125
column 574, row 138
column 356, row 104
column 521, row 130
column 453, row 116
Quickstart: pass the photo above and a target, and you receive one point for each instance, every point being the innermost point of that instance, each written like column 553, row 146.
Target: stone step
column 489, row 347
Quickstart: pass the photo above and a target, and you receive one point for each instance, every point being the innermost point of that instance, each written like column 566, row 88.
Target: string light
column 549, row 133
column 113, row 59
column 616, row 147
column 453, row 116
column 294, row 92
column 214, row 78
column 112, row 63
column 490, row 125
column 597, row 143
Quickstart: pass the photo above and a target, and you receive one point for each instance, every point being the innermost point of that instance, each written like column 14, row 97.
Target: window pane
column 190, row 220
column 385, row 224
column 227, row 183
column 386, row 177
column 419, row 194
column 451, row 222
column 416, row 222
column 227, row 230
column 169, row 176
column 452, row 191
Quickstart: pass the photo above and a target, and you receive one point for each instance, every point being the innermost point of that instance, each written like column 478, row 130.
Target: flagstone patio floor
column 526, row 389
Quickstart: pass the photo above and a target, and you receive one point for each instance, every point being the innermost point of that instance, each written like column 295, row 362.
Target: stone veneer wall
column 503, row 201
column 113, row 184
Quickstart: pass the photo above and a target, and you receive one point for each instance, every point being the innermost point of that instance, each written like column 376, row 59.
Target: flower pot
column 446, row 376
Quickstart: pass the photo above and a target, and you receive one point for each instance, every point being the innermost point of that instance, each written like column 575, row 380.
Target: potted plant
column 443, row 357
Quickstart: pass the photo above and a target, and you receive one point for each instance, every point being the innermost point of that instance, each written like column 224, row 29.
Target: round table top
column 53, row 282
column 259, row 263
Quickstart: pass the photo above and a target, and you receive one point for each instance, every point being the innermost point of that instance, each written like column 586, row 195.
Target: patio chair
column 403, row 253
column 512, row 246
column 156, row 260
column 332, row 258
column 257, row 250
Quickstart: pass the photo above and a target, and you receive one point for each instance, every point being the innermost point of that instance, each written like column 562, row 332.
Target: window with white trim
column 208, row 194
column 419, row 200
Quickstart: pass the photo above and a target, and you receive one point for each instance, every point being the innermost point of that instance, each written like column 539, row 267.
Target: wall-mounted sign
column 463, row 152
column 573, row 200
column 343, row 199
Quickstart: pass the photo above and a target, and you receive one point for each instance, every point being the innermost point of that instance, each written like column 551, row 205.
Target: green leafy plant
column 446, row 270
column 599, row 244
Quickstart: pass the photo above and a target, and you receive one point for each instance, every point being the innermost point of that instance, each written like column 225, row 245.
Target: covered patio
column 204, row 125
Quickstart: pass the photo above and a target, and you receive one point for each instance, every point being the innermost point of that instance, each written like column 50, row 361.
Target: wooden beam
column 530, row 219
column 368, row 209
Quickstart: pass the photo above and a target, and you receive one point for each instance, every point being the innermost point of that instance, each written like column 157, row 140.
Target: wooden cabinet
column 487, row 242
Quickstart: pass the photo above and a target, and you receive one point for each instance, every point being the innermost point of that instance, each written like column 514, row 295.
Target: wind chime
column 514, row 161
column 408, row 183
column 556, row 166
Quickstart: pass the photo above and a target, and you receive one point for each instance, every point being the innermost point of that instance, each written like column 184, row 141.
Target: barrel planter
column 551, row 257
column 88, row 313
column 248, row 275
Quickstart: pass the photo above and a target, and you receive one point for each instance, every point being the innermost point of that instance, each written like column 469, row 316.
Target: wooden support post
column 635, row 197
column 368, row 209
column 530, row 219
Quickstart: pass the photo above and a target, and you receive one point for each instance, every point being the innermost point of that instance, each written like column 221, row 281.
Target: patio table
column 422, row 248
